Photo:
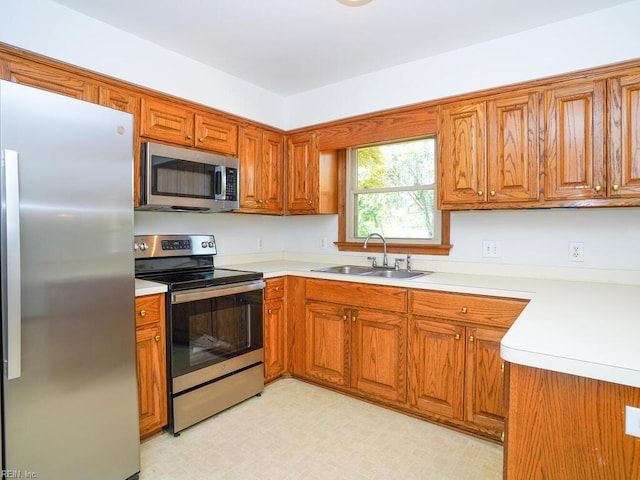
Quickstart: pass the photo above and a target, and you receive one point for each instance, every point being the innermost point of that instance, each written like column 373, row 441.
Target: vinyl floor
column 300, row 431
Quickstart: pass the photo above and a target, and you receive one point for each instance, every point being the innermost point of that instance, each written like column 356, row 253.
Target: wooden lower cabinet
column 275, row 352
column 151, row 359
column 563, row 426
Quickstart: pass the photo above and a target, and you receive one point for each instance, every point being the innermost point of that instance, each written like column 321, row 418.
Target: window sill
column 415, row 248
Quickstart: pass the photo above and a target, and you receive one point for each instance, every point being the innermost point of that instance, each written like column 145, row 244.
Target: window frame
column 351, row 193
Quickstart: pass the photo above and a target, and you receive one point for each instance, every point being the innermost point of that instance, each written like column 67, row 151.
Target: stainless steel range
column 214, row 325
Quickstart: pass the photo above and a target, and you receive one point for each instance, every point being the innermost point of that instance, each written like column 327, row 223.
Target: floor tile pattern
column 297, row 431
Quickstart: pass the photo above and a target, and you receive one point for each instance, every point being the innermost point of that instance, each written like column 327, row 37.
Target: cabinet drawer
column 274, row 289
column 495, row 311
column 148, row 309
column 393, row 299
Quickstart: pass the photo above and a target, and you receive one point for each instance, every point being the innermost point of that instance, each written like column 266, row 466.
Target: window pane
column 396, row 214
column 397, row 164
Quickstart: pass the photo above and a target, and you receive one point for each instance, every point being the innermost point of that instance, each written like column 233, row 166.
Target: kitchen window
column 391, row 189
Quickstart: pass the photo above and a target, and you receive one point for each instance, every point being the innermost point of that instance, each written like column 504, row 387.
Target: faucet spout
column 385, row 261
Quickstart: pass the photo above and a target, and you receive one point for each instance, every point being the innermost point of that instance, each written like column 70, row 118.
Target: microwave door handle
column 13, row 320
column 220, row 183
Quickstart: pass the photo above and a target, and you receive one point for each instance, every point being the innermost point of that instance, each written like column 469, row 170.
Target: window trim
column 343, row 245
column 351, row 169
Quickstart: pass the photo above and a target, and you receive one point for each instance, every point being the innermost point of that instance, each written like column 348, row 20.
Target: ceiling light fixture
column 353, row 3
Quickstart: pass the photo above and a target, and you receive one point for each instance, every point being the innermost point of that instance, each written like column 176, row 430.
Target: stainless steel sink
column 372, row 271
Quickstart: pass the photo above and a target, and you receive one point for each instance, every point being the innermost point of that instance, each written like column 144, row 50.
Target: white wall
column 599, row 38
column 58, row 32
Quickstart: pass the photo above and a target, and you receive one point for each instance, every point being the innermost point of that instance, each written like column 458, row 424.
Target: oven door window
column 182, row 178
column 205, row 332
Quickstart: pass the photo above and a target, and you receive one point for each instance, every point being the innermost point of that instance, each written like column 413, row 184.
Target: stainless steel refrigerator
column 69, row 392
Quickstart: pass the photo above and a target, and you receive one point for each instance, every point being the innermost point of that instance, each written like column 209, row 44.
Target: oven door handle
column 213, row 292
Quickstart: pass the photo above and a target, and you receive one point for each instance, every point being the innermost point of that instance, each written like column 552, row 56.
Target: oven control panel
column 151, row 246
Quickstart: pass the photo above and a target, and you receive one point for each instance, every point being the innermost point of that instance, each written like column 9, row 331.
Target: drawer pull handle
column 143, row 313
column 502, row 437
column 471, row 338
column 157, row 337
column 277, row 289
column 269, row 311
column 457, row 337
column 463, row 310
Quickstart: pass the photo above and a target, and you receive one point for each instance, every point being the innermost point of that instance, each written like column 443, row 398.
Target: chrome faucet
column 385, row 262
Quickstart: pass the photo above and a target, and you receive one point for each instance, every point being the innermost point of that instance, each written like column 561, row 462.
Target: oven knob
column 142, row 246
column 211, row 245
column 203, row 244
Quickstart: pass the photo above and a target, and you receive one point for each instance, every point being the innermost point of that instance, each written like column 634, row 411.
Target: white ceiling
column 291, row 46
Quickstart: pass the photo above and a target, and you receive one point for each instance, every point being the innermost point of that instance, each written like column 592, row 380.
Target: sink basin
column 372, row 271
column 403, row 274
column 347, row 269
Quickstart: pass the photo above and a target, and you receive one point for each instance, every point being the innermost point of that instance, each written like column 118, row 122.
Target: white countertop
column 581, row 328
column 145, row 287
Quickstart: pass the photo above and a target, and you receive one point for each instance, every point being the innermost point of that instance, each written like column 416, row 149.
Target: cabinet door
column 462, row 161
column 152, row 380
column 250, row 156
column 302, row 173
column 624, row 132
column 274, row 340
column 378, row 362
column 50, row 79
column 436, row 367
column 273, row 172
column 512, row 148
column 574, row 141
column 484, row 389
column 216, row 134
column 327, row 352
column 166, row 122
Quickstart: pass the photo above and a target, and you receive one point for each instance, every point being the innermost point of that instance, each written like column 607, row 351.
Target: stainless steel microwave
column 177, row 179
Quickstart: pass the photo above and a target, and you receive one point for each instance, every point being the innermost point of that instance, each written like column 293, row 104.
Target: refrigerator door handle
column 14, row 301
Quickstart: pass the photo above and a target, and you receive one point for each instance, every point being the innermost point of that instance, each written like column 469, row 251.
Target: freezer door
column 70, row 409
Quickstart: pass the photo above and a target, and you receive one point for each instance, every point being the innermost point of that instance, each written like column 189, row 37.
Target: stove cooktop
column 185, row 280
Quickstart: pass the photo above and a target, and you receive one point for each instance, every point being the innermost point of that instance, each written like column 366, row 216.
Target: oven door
column 215, row 332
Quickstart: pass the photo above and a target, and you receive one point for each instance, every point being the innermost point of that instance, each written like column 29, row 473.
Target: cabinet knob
column 353, row 319
column 344, row 317
column 457, row 337
column 615, row 187
column 269, row 311
column 492, row 193
column 480, row 193
column 201, row 139
column 598, row 188
column 502, row 437
column 310, row 202
column 143, row 313
column 189, row 137
column 463, row 310
column 157, row 337
column 502, row 367
column 471, row 338
column 259, row 201
column 277, row 289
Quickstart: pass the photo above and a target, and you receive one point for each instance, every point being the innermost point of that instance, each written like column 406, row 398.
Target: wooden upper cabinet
column 163, row 121
column 215, row 134
column 489, row 151
column 624, row 136
column 51, row 79
column 182, row 126
column 574, row 141
column 302, row 173
column 261, row 156
column 462, row 160
column 512, row 148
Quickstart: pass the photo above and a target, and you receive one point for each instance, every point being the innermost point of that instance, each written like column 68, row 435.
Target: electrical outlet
column 260, row 242
column 323, row 243
column 576, row 252
column 632, row 421
column 491, row 249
